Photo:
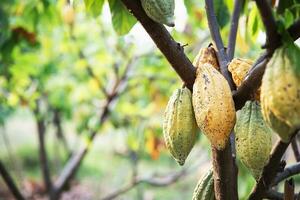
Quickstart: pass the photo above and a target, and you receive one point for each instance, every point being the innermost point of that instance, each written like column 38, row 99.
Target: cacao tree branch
column 172, row 50
column 154, row 181
column 88, row 67
column 10, row 182
column 288, row 172
column 225, row 170
column 253, row 79
column 233, row 28
column 274, row 195
column 41, row 129
column 74, row 162
column 216, row 36
column 269, row 170
column 273, row 38
column 289, row 188
column 295, row 149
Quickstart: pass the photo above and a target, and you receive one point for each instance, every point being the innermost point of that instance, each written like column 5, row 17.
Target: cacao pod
column 179, row 125
column 205, row 188
column 239, row 68
column 213, row 105
column 207, row 55
column 280, row 91
column 253, row 138
column 161, row 11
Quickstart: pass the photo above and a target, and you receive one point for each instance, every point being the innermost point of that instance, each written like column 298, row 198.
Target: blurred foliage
column 61, row 55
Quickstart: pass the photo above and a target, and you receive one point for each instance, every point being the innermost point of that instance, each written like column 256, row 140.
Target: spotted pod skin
column 239, row 69
column 161, row 11
column 213, row 105
column 280, row 91
column 205, row 188
column 253, row 138
column 179, row 125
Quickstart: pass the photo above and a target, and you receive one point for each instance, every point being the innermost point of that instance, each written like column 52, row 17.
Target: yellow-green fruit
column 205, row 188
column 161, row 11
column 239, row 68
column 179, row 125
column 213, row 105
column 280, row 91
column 253, row 138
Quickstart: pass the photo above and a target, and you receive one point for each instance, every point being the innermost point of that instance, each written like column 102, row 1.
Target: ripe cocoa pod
column 205, row 188
column 253, row 138
column 213, row 105
column 207, row 55
column 161, row 11
column 179, row 125
column 280, row 91
column 239, row 68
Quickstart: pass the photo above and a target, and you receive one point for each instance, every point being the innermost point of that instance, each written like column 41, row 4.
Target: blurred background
column 86, row 79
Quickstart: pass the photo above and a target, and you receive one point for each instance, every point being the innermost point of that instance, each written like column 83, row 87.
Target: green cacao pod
column 179, row 125
column 253, row 138
column 213, row 104
column 161, row 11
column 205, row 188
column 280, row 91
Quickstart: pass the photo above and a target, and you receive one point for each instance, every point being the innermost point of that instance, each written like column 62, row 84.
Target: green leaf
column 222, row 13
column 283, row 4
column 94, row 6
column 122, row 20
column 253, row 23
column 288, row 18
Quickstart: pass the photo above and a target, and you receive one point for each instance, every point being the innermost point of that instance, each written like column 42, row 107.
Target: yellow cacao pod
column 239, row 68
column 213, row 105
column 179, row 125
column 280, row 91
column 205, row 188
column 253, row 138
column 206, row 55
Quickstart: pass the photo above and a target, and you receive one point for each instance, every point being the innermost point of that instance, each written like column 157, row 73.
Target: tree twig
column 269, row 171
column 10, row 182
column 295, row 149
column 74, row 162
column 253, row 80
column 172, row 50
column 273, row 38
column 289, row 189
column 225, row 171
column 233, row 28
column 288, row 172
column 152, row 181
column 41, row 129
column 216, row 36
column 274, row 195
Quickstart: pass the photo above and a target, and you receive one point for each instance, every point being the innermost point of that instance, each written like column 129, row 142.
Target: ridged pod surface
column 253, row 138
column 161, row 11
column 213, row 105
column 205, row 188
column 280, row 91
column 179, row 125
column 239, row 68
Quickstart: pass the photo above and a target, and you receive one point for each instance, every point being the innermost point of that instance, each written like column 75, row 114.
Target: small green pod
column 179, row 126
column 161, row 11
column 253, row 138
